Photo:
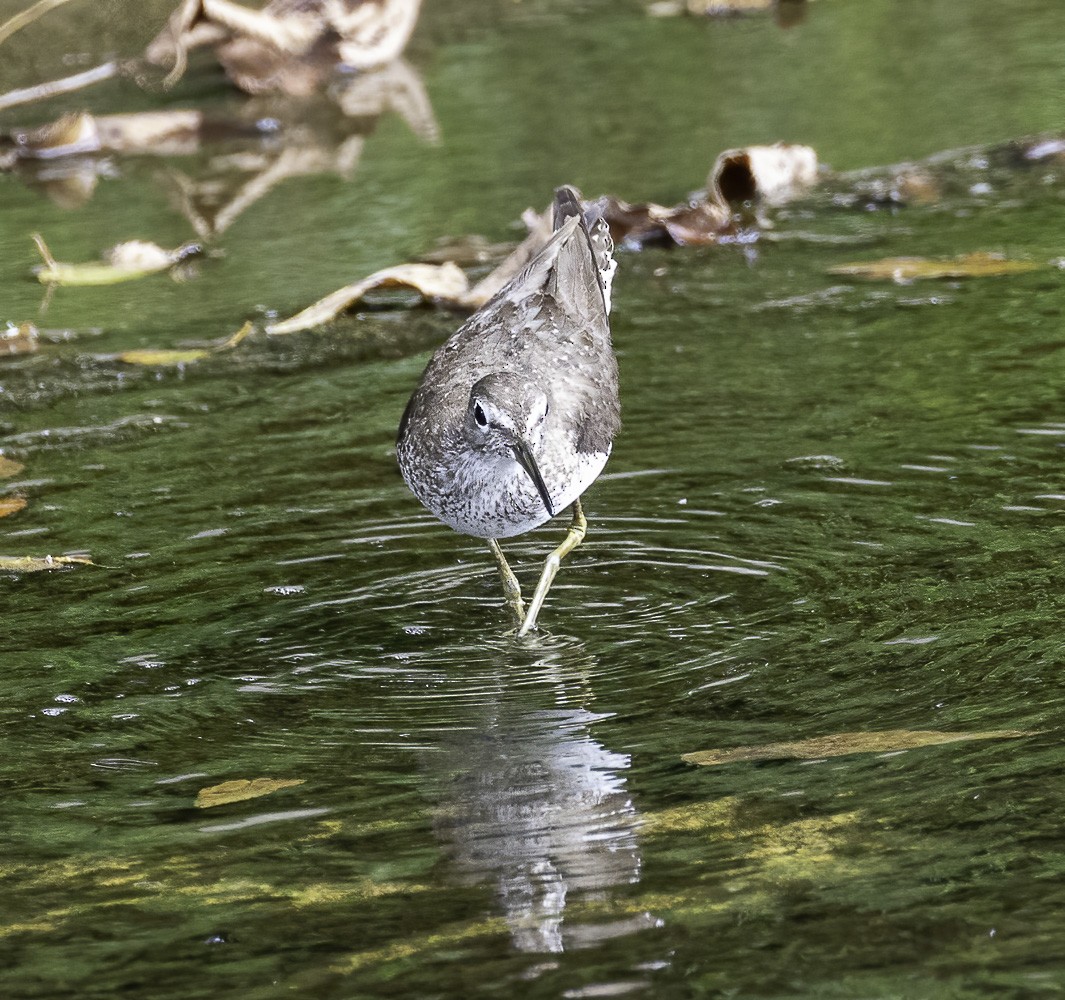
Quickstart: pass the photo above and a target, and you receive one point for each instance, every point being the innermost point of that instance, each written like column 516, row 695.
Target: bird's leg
column 577, row 529
column 511, row 588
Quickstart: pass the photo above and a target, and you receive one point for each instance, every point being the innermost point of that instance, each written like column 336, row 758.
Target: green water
column 834, row 508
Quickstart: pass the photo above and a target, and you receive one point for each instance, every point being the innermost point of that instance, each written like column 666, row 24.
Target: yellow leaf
column 840, row 744
column 153, row 357
column 241, row 789
column 11, row 505
column 123, row 262
column 34, row 564
column 906, row 269
column 433, row 281
column 9, row 467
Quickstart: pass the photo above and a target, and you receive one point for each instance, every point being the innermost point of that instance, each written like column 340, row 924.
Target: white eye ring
column 478, row 415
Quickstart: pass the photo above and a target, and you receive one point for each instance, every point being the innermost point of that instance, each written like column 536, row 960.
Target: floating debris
column 11, row 505
column 436, row 282
column 841, row 744
column 241, row 789
column 35, row 564
column 904, row 270
column 124, row 262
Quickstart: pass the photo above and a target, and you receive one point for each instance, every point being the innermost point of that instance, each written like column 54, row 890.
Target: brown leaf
column 11, row 505
column 69, row 135
column 840, row 744
column 9, row 467
column 904, row 270
column 698, row 224
column 444, row 282
column 241, row 789
column 21, row 339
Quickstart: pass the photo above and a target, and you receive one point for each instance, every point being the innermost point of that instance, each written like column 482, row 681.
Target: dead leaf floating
column 841, row 744
column 124, row 262
column 21, row 339
column 161, row 357
column 433, row 281
column 903, row 270
column 9, row 467
column 11, row 505
column 151, row 357
column 241, row 789
column 35, row 564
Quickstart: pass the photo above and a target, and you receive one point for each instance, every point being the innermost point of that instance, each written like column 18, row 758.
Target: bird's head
column 506, row 417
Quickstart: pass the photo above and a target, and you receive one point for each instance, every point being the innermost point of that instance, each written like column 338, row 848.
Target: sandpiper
column 515, row 414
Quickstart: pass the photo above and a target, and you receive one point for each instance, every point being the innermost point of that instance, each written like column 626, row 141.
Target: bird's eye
column 478, row 415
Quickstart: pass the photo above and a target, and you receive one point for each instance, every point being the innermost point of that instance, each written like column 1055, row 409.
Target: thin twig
column 28, row 16
column 64, row 86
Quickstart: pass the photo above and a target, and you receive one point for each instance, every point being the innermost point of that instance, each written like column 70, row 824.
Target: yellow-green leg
column 577, row 530
column 511, row 588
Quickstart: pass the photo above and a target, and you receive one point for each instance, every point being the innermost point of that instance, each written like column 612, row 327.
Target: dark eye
column 478, row 415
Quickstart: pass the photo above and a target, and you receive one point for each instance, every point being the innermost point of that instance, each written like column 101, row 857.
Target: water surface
column 835, row 507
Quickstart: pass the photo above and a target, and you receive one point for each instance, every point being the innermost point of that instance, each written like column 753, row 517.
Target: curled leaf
column 841, row 744
column 771, row 174
column 34, row 564
column 903, row 270
column 433, row 281
column 241, row 789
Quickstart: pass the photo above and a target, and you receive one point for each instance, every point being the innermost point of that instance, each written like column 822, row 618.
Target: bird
column 516, row 413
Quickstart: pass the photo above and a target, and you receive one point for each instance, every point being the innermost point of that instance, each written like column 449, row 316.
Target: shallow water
column 834, row 508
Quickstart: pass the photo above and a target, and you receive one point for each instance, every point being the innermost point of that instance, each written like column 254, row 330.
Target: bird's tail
column 567, row 205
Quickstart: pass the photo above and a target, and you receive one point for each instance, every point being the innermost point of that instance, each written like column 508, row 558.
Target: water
column 834, row 508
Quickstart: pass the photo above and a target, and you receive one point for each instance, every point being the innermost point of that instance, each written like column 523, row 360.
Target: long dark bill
column 525, row 459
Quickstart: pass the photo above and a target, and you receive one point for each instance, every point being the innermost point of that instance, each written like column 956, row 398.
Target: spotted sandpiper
column 515, row 414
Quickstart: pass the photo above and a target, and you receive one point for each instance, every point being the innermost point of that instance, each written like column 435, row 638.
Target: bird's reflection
column 534, row 803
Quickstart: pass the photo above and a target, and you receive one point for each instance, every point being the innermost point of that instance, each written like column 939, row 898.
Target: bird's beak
column 524, row 457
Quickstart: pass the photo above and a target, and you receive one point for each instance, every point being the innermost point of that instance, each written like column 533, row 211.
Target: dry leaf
column 241, row 789
column 906, row 269
column 840, row 744
column 34, row 564
column 123, row 262
column 11, row 505
column 151, row 356
column 9, row 467
column 434, row 281
column 771, row 174
column 69, row 135
column 158, row 132
column 162, row 357
column 21, row 339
